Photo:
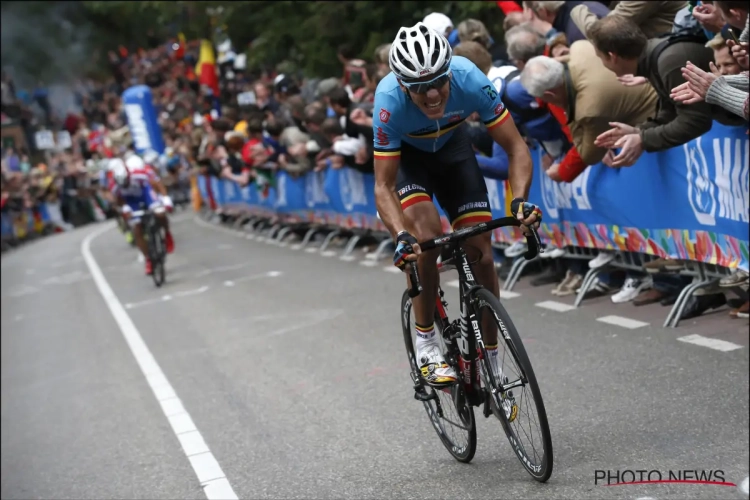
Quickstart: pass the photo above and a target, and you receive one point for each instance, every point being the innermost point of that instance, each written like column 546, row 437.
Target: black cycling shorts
column 451, row 174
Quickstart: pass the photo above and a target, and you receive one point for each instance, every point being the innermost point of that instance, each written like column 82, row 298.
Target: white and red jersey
column 140, row 183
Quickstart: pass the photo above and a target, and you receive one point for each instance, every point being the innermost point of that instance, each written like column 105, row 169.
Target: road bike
column 153, row 232
column 508, row 399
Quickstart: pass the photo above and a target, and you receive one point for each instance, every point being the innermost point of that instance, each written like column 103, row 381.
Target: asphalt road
column 293, row 383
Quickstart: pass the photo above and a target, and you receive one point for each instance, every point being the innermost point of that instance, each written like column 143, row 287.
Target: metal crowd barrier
column 686, row 209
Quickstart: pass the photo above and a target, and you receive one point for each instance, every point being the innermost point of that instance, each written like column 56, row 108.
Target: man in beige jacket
column 653, row 18
column 591, row 96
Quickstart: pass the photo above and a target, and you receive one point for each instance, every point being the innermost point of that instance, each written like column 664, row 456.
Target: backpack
column 525, row 114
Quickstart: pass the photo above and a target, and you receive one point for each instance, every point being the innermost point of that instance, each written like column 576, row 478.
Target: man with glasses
column 422, row 149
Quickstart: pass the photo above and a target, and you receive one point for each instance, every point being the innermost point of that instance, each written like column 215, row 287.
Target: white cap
column 439, row 22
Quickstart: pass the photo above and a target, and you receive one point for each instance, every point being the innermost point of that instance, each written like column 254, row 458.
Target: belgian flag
column 205, row 70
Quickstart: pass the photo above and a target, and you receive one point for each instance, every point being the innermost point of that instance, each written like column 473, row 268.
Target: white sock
column 492, row 352
column 425, row 335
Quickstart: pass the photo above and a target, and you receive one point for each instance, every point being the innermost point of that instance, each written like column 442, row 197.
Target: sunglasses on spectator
column 424, row 87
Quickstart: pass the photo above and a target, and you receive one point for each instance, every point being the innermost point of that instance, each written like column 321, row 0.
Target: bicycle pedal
column 421, row 395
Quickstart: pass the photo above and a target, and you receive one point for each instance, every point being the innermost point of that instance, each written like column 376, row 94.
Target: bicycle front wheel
column 450, row 413
column 157, row 252
column 520, row 409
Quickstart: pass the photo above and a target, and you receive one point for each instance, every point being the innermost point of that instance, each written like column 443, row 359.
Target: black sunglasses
column 424, row 87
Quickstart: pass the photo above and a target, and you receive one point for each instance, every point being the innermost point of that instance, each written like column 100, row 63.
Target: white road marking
column 503, row 294
column 555, row 306
column 66, row 263
column 165, row 298
column 719, row 345
column 269, row 274
column 328, row 253
column 213, row 480
column 744, row 486
column 348, row 258
column 229, row 283
column 250, row 236
column 392, row 269
column 22, row 290
column 191, row 292
column 311, row 250
column 67, row 279
column 220, row 269
column 628, row 323
column 306, row 319
column 368, row 263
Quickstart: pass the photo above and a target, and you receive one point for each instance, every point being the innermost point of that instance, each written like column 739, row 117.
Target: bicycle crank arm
column 487, row 408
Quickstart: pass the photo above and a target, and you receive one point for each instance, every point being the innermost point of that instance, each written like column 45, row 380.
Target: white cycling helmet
column 119, row 171
column 134, row 162
column 439, row 22
column 419, row 51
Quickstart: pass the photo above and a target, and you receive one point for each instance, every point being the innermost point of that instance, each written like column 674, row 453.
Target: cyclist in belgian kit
column 421, row 150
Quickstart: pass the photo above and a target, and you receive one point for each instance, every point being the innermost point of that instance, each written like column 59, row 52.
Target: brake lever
column 533, row 243
column 416, row 287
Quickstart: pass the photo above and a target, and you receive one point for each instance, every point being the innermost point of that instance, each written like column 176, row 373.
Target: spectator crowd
column 581, row 79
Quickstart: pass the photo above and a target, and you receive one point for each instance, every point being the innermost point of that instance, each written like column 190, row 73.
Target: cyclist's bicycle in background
column 512, row 395
column 153, row 233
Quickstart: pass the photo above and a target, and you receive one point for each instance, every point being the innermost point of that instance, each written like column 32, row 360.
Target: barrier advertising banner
column 685, row 203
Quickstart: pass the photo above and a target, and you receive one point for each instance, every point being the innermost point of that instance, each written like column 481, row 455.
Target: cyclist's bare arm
column 520, row 167
column 386, row 199
column 159, row 187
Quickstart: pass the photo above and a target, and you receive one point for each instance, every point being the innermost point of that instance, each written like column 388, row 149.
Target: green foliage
column 302, row 34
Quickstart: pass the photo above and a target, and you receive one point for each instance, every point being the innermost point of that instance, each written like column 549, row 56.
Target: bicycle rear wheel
column 447, row 408
column 520, row 403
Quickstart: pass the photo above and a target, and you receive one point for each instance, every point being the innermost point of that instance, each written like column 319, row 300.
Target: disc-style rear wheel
column 447, row 408
column 520, row 409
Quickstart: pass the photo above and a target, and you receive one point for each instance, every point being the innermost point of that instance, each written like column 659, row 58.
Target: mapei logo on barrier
column 229, row 191
column 562, row 195
column 138, row 127
column 493, row 194
column 215, row 186
column 280, row 191
column 718, row 188
column 246, row 193
column 352, row 189
column 315, row 192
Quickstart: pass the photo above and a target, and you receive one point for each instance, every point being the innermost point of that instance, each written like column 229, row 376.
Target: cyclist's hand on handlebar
column 527, row 213
column 407, row 250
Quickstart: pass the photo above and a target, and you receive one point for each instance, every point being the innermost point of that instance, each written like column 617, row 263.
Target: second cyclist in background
column 135, row 185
